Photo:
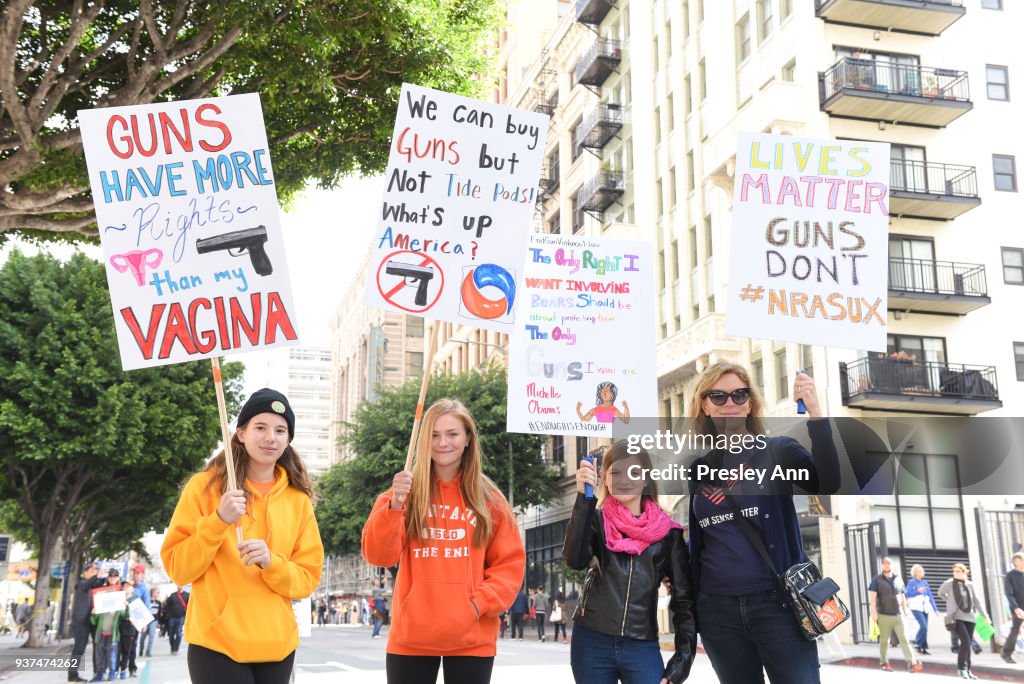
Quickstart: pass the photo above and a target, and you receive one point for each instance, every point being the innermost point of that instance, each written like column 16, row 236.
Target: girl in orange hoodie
column 239, row 624
column 459, row 554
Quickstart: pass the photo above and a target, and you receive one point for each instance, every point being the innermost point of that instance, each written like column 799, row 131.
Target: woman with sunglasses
column 745, row 621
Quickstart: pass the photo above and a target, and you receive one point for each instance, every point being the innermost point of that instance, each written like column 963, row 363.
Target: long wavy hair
column 290, row 460
column 481, row 495
column 711, row 375
column 619, row 452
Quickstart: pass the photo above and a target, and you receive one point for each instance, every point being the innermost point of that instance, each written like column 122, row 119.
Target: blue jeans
column 174, row 627
column 743, row 635
column 921, row 640
column 147, row 637
column 598, row 658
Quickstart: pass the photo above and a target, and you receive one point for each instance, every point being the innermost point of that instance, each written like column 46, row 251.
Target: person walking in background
column 22, row 615
column 921, row 604
column 628, row 544
column 520, row 608
column 106, row 636
column 175, row 608
column 81, row 612
column 746, row 624
column 888, row 603
column 558, row 616
column 540, row 611
column 379, row 606
column 962, row 609
column 1013, row 589
column 240, row 624
column 148, row 635
column 128, row 636
column 459, row 554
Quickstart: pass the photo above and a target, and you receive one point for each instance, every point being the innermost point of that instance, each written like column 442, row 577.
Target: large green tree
column 328, row 72
column 91, row 453
column 379, row 437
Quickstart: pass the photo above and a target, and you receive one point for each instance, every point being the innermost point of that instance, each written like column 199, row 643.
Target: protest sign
column 139, row 614
column 460, row 190
column 809, row 260
column 108, row 599
column 188, row 218
column 582, row 354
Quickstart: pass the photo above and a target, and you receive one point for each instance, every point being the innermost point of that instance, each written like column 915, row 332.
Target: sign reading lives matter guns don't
column 188, row 218
column 810, row 241
column 460, row 191
column 582, row 356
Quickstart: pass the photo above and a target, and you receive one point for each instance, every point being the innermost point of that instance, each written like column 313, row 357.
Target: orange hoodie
column 441, row 575
column 242, row 611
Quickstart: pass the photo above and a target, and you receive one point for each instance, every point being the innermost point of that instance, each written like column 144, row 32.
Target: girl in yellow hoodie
column 459, row 554
column 239, row 624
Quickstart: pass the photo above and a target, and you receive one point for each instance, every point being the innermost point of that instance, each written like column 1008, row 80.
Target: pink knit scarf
column 625, row 532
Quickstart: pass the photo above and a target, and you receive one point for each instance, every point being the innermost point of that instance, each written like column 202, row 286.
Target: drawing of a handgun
column 250, row 240
column 419, row 274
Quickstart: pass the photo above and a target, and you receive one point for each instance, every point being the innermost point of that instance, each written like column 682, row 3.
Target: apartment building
column 646, row 100
column 309, row 391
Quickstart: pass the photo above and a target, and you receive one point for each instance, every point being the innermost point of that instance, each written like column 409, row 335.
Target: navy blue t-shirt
column 729, row 564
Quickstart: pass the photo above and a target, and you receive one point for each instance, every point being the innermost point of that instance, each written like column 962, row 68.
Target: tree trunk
column 36, row 625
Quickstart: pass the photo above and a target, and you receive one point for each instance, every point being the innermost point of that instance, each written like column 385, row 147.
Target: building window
column 544, row 565
column 789, row 71
column 555, row 224
column 657, row 56
column 1005, row 171
column 686, row 20
column 1018, row 359
column 690, row 181
column 661, row 270
column 581, row 448
column 998, row 82
column 413, row 326
column 700, row 11
column 757, row 372
column 657, row 125
column 577, row 214
column 671, row 112
column 781, row 371
column 807, row 359
column 764, row 20
column 576, row 149
column 1013, row 266
column 743, row 38
column 785, row 9
column 687, row 96
column 919, row 518
column 708, row 241
column 558, row 449
column 992, row 4
column 703, row 74
column 413, row 364
column 693, row 247
column 919, row 348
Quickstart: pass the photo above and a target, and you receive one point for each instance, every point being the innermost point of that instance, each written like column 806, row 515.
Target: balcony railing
column 601, row 191
column 601, row 124
column 897, row 79
column 927, row 17
column 911, row 378
column 881, row 90
column 593, row 12
column 549, row 177
column 937, row 277
column 599, row 62
column 933, row 179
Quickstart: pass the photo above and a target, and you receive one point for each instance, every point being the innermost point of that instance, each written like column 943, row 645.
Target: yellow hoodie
column 243, row 611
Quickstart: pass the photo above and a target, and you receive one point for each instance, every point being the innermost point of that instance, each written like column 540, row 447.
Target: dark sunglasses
column 739, row 396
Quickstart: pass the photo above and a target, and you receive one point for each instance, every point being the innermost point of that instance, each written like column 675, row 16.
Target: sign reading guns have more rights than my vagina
column 188, row 219
column 810, row 248
column 460, row 191
column 582, row 353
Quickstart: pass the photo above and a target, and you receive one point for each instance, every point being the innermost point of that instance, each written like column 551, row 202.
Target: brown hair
column 478, row 491
column 290, row 461
column 711, row 375
column 620, row 451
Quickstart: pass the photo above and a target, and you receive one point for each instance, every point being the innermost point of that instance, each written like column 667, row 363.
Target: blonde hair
column 961, row 566
column 478, row 491
column 711, row 375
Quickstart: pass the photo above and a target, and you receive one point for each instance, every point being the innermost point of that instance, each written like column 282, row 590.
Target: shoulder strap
column 751, row 534
column 183, row 604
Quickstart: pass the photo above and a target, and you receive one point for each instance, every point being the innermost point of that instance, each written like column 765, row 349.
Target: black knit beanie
column 267, row 400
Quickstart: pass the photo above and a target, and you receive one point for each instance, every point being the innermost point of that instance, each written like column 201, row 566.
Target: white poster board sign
column 139, row 614
column 809, row 260
column 582, row 354
column 108, row 601
column 303, row 616
column 188, row 218
column 460, row 191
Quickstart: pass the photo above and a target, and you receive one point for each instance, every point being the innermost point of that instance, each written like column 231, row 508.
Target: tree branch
column 10, row 29
column 35, row 222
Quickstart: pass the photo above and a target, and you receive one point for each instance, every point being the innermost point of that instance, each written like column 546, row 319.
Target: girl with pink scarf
column 629, row 546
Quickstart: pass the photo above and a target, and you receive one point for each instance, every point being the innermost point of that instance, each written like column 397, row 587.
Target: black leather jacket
column 620, row 594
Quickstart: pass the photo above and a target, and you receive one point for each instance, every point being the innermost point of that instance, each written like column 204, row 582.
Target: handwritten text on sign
column 188, row 218
column 810, row 241
column 461, row 188
column 582, row 355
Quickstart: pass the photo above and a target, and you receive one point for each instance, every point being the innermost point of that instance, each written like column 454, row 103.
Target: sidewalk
column 986, row 665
